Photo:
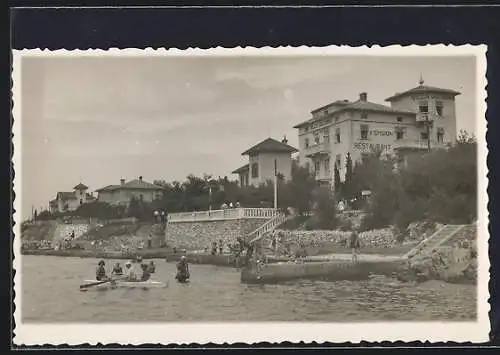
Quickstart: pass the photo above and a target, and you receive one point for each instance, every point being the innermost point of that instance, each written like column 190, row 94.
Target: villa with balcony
column 265, row 160
column 418, row 119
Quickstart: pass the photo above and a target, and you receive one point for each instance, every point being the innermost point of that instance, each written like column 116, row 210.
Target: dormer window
column 423, row 107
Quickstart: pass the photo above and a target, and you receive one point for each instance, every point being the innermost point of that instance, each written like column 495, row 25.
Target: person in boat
column 100, row 274
column 145, row 272
column 182, row 269
column 151, row 267
column 129, row 272
column 117, row 270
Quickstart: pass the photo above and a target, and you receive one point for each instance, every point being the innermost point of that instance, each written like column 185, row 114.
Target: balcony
column 426, row 116
column 319, row 149
column 418, row 144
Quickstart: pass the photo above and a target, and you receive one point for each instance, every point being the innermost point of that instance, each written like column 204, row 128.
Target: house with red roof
column 417, row 119
column 122, row 193
column 266, row 159
column 70, row 201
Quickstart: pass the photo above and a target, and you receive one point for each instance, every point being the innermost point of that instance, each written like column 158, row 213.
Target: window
column 440, row 134
column 316, row 167
column 327, row 166
column 81, row 202
column 325, row 112
column 336, row 118
column 316, row 138
column 364, row 114
column 400, row 133
column 364, row 132
column 338, row 161
column 337, row 135
column 306, row 128
column 399, row 119
column 326, row 136
column 439, row 108
column 255, row 170
column 306, row 142
column 423, row 107
column 424, row 135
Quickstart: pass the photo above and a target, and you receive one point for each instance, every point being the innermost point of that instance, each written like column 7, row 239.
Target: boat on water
column 128, row 284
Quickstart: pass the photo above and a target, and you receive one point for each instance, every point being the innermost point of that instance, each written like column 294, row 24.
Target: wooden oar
column 99, row 283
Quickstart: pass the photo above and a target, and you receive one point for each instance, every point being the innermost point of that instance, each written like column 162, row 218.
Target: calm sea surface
column 50, row 293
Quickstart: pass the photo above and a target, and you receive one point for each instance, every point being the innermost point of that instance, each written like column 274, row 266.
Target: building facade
column 265, row 159
column 70, row 201
column 418, row 119
column 122, row 194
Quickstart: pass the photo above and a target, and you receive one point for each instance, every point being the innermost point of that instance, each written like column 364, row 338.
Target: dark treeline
column 438, row 186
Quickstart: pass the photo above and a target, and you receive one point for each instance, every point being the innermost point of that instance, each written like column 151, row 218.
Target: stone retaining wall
column 200, row 235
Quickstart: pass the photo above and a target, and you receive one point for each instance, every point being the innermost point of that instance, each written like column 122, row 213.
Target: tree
column 337, row 181
column 301, row 187
column 325, row 211
column 134, row 208
column 347, row 188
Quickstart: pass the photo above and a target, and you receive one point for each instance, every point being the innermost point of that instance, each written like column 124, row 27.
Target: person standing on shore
column 355, row 245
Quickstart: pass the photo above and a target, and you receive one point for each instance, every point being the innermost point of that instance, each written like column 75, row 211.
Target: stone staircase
column 469, row 233
column 441, row 236
column 267, row 227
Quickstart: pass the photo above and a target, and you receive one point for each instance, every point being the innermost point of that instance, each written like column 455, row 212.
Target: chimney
column 363, row 96
column 284, row 141
column 140, row 178
column 122, row 181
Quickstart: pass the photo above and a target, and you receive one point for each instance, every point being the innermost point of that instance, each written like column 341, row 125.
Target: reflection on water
column 50, row 291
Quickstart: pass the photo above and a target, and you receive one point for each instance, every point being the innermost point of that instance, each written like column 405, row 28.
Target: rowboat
column 128, row 284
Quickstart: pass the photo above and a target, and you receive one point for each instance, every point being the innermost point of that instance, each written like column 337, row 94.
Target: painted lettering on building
column 427, row 97
column 371, row 146
column 381, row 133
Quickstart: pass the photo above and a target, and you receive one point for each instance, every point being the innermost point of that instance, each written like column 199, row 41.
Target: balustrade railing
column 226, row 214
column 267, row 227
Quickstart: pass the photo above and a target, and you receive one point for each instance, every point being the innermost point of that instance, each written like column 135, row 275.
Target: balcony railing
column 417, row 144
column 318, row 149
column 426, row 116
column 221, row 215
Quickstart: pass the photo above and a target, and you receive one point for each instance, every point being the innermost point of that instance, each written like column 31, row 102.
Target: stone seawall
column 200, row 235
column 340, row 269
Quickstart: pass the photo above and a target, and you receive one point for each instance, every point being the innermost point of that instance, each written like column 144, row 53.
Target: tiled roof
column 140, row 184
column 423, row 89
column 136, row 184
column 80, row 186
column 66, row 196
column 108, row 188
column 242, row 169
column 361, row 106
column 335, row 103
column 270, row 145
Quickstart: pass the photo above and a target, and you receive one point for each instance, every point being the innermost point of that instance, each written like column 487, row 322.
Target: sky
column 96, row 120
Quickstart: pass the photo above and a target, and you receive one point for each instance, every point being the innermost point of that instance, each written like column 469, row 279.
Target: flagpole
column 275, row 183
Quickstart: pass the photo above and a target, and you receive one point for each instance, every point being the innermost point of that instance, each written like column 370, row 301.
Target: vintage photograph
column 305, row 186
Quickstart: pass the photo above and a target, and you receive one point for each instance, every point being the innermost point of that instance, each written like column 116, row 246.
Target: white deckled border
column 202, row 333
